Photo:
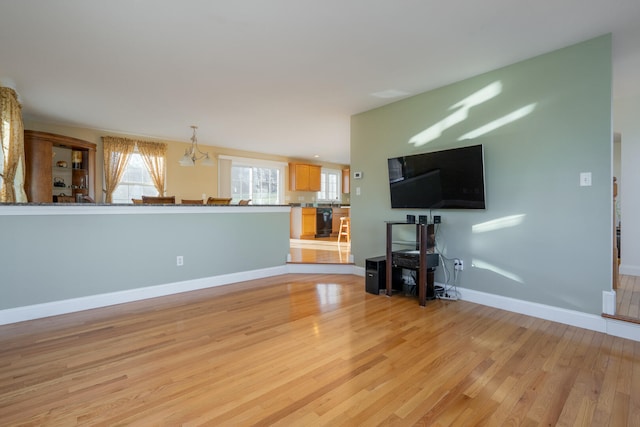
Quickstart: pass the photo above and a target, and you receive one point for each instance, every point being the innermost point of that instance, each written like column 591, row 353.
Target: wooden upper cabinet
column 39, row 166
column 303, row 177
column 315, row 173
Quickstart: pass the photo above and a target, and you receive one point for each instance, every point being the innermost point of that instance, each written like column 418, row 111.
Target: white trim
column 91, row 209
column 556, row 314
column 320, row 268
column 54, row 308
column 579, row 319
column 249, row 161
column 542, row 311
column 609, row 302
column 628, row 330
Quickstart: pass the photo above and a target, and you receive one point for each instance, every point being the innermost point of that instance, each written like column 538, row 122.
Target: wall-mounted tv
column 447, row 179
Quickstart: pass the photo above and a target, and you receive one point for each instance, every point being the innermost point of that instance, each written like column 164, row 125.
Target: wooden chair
column 160, row 200
column 218, row 201
column 66, row 199
column 191, row 202
column 244, row 202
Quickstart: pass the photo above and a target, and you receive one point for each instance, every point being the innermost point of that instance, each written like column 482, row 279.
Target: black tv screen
column 447, row 179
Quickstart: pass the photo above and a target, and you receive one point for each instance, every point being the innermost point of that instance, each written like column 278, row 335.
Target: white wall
column 626, row 119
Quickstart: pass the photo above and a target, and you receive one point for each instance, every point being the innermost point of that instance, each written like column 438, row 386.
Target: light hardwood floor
column 628, row 298
column 305, row 350
column 320, row 251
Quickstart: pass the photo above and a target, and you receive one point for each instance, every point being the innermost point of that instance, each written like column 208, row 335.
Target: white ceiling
column 277, row 76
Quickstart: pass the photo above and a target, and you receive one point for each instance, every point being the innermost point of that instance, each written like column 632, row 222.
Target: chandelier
column 194, row 153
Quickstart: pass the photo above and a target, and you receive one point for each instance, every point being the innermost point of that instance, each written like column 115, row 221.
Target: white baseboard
column 570, row 317
column 54, row 308
column 320, row 268
column 556, row 314
column 359, row 271
column 542, row 311
column 628, row 330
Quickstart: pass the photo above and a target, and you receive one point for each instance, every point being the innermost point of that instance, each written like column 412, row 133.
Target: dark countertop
column 318, row 205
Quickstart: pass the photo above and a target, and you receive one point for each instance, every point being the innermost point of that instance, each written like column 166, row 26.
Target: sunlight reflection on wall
column 482, row 265
column 511, row 117
column 494, row 225
column 481, row 96
column 462, row 113
column 497, row 224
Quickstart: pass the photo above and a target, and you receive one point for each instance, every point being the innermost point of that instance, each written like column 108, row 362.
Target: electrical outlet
column 179, row 260
column 458, row 264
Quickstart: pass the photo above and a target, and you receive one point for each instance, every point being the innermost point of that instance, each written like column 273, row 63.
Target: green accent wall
column 542, row 238
column 59, row 257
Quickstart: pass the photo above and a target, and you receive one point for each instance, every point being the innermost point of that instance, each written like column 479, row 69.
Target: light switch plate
column 585, row 179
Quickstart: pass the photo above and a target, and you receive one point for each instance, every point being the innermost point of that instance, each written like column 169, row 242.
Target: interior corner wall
column 626, row 112
column 543, row 238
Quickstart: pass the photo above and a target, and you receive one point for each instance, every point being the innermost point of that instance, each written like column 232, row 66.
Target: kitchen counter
column 303, row 223
column 318, row 205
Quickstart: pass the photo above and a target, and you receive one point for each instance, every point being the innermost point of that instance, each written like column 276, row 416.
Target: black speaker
column 411, row 219
column 376, row 275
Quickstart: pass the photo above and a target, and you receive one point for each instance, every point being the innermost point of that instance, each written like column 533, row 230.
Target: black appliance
column 376, row 276
column 447, row 179
column 324, row 217
column 411, row 259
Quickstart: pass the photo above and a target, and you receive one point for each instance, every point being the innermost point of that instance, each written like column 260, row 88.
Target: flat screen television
column 446, row 179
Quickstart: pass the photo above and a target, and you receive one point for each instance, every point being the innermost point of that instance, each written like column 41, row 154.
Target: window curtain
column 12, row 144
column 116, row 156
column 154, row 155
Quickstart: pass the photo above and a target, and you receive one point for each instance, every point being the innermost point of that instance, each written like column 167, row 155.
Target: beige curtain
column 12, row 144
column 116, row 156
column 155, row 157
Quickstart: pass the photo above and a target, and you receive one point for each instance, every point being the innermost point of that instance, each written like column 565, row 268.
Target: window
column 136, row 181
column 330, row 185
column 260, row 181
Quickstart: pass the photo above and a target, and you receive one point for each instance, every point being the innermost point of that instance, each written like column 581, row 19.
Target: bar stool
column 345, row 228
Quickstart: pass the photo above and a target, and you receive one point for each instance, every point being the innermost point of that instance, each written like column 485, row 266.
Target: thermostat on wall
column 357, row 175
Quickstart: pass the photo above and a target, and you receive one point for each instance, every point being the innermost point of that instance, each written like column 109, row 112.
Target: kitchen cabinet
column 346, row 181
column 303, row 223
column 56, row 165
column 304, row 177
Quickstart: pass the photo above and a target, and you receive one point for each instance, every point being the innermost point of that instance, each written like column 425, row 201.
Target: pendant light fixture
column 194, row 153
